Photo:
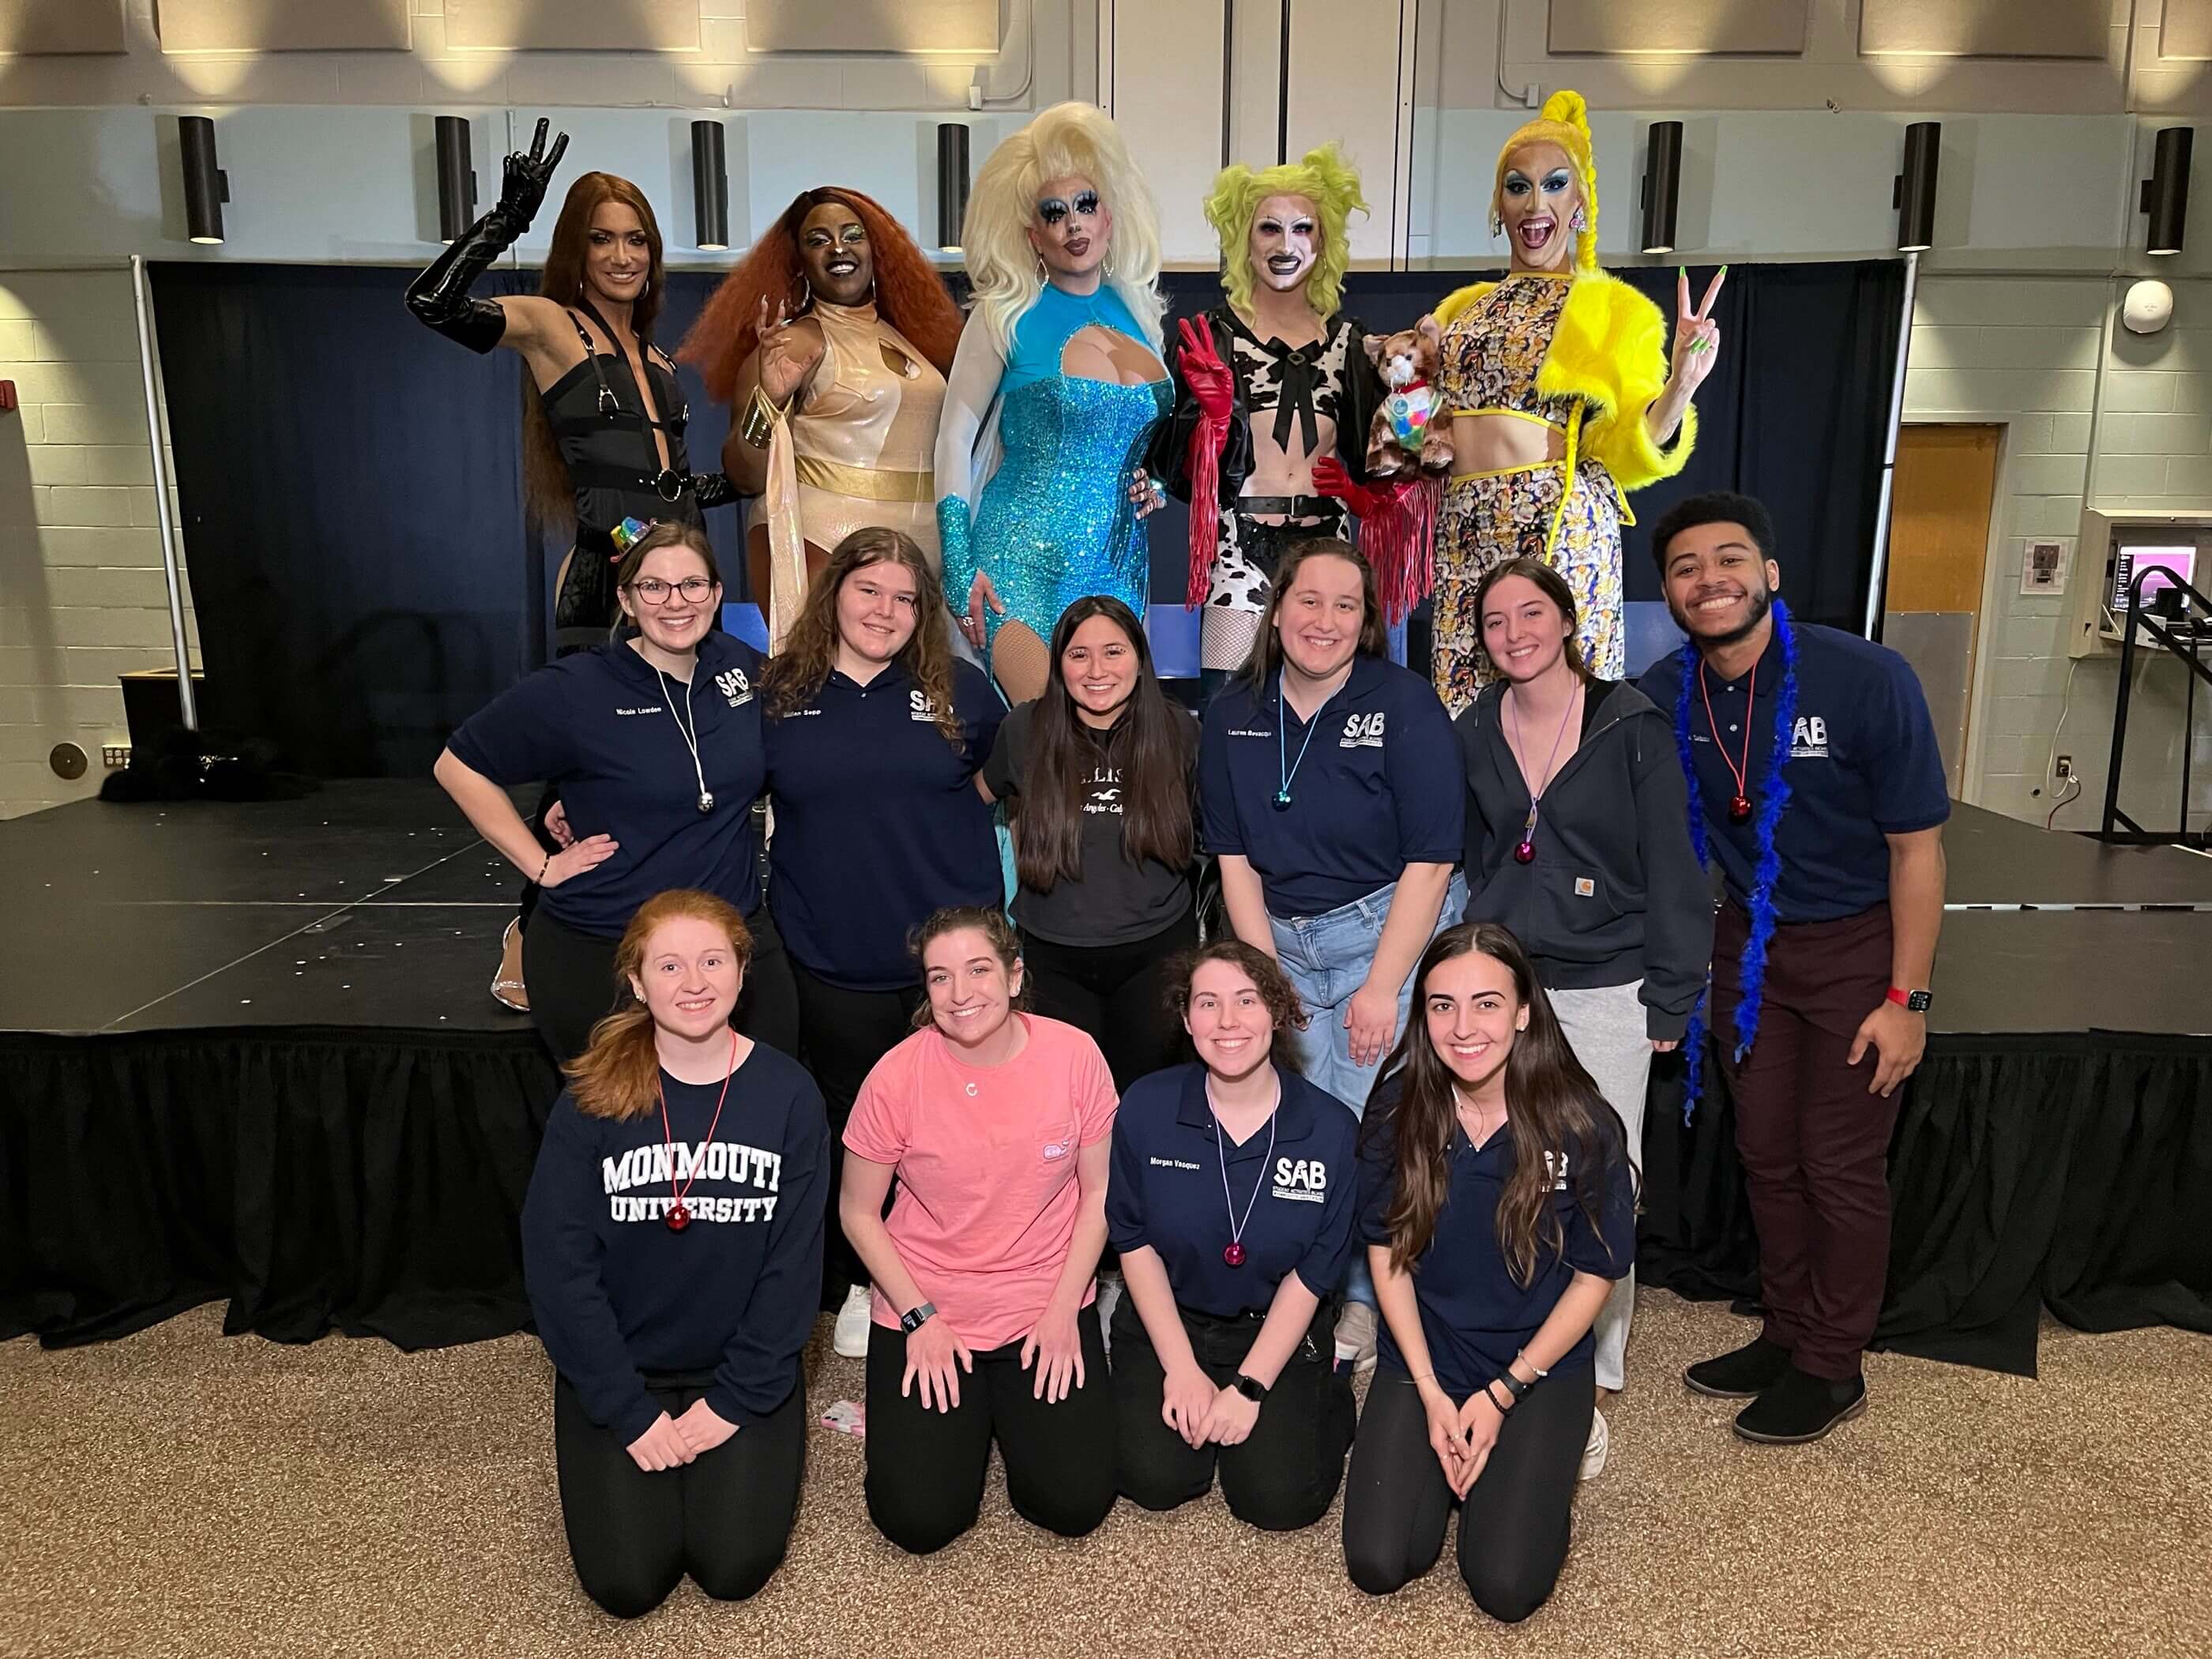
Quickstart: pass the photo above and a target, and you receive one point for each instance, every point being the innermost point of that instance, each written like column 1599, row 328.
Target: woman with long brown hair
column 1498, row 1207
column 672, row 1244
column 654, row 741
column 874, row 733
column 829, row 343
column 1098, row 774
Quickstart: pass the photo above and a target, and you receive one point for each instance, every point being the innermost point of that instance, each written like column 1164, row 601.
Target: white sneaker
column 1594, row 1450
column 851, row 1338
column 1355, row 1336
column 1109, row 1294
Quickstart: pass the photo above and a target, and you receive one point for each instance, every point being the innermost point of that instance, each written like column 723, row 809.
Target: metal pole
column 187, row 706
column 1876, row 579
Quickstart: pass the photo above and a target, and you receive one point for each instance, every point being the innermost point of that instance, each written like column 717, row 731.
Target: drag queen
column 1055, row 393
column 829, row 344
column 1270, row 388
column 1563, row 398
column 603, row 440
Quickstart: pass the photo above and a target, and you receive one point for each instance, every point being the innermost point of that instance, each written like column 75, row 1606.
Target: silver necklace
column 691, row 732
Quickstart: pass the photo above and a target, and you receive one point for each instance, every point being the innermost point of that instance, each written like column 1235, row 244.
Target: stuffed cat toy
column 1411, row 432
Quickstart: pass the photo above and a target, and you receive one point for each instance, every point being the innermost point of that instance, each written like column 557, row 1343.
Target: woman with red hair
column 829, row 343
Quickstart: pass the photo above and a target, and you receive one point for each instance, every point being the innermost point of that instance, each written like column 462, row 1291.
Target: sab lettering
column 1361, row 731
column 919, row 706
column 1308, row 1174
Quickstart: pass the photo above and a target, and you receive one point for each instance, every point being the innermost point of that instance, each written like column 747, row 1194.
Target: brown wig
column 1154, row 751
column 1005, row 945
column 910, row 294
column 552, row 497
column 1267, row 649
column 1276, row 995
column 796, row 675
column 618, row 1075
column 1552, row 1110
column 1553, row 587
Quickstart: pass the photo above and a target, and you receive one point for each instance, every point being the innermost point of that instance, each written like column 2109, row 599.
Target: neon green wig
column 1324, row 178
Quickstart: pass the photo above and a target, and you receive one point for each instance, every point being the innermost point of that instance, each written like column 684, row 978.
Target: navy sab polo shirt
column 603, row 726
column 877, row 822
column 1474, row 1314
column 1380, row 786
column 1863, row 764
column 1164, row 1190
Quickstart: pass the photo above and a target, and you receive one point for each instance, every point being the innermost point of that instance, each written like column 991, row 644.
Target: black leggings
column 1116, row 993
column 926, row 1468
column 1284, row 1474
column 725, row 1517
column 843, row 1033
column 1516, row 1519
column 571, row 976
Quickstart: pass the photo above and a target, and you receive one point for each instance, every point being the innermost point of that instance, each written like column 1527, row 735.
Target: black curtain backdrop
column 372, row 1182
column 352, row 506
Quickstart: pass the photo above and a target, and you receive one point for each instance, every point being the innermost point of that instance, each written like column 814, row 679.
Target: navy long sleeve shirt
column 617, row 1295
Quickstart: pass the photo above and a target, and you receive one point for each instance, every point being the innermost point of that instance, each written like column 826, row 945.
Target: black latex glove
column 712, row 490
column 439, row 296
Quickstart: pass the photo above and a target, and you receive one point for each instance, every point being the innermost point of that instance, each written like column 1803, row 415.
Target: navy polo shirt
column 1863, row 765
column 602, row 725
column 1475, row 1314
column 1380, row 786
column 1165, row 1191
column 877, row 822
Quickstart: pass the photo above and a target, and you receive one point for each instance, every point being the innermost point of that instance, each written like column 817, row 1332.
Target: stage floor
column 372, row 904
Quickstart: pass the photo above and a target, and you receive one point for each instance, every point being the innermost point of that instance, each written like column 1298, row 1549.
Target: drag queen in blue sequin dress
column 1054, row 392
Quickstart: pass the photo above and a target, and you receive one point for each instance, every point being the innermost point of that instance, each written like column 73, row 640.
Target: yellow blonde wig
column 1322, row 177
column 1066, row 141
column 1564, row 122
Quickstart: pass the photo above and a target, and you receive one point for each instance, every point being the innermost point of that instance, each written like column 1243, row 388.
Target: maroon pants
column 1814, row 1143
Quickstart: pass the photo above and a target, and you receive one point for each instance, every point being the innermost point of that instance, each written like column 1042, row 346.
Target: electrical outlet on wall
column 2062, row 768
column 113, row 755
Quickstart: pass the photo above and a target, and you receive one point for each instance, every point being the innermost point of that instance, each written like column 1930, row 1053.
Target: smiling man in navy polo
column 1816, row 783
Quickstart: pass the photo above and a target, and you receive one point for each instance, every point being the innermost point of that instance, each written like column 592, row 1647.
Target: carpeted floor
column 180, row 1493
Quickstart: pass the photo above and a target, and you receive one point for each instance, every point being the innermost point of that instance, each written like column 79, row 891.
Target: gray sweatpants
column 1605, row 1027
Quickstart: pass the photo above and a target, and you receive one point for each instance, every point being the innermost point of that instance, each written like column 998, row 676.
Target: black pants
column 1116, row 993
column 1515, row 1525
column 571, row 976
column 1283, row 1475
column 725, row 1517
column 843, row 1034
column 926, row 1468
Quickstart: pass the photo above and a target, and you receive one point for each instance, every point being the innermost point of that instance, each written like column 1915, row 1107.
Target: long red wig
column 910, row 294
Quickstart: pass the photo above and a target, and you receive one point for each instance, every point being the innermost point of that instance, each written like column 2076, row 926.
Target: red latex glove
column 1331, row 479
column 1211, row 386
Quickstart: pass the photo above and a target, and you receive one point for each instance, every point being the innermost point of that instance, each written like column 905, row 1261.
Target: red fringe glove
column 1397, row 531
column 1214, row 390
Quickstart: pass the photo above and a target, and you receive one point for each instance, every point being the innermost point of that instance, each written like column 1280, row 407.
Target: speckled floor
column 180, row 1493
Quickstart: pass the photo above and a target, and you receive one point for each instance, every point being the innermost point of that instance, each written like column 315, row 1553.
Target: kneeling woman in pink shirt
column 996, row 1123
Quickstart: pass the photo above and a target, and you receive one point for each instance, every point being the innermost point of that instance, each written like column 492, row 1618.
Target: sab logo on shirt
column 1809, row 739
column 732, row 684
column 1304, row 1179
column 919, row 706
column 1361, row 731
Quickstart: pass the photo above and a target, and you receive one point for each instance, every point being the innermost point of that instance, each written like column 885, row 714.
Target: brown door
column 1939, row 538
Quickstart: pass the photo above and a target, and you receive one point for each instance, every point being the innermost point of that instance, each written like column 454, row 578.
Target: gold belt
column 867, row 483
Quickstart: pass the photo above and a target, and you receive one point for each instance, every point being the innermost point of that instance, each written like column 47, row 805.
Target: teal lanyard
column 1282, row 719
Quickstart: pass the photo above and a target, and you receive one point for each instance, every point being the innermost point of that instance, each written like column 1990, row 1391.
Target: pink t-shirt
column 988, row 1195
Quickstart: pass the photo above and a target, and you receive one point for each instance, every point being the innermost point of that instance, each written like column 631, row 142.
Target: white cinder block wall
column 2024, row 353
column 82, row 594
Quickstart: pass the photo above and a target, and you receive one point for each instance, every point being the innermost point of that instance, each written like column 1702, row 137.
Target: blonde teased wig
column 1323, row 178
column 1066, row 141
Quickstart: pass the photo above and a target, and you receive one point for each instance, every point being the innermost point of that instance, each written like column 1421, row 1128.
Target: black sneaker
column 1742, row 1373
column 1801, row 1407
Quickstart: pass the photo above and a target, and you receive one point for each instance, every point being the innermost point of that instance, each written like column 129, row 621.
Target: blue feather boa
column 1773, row 799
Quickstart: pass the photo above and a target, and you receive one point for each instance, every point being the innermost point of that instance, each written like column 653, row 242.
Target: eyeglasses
column 653, row 590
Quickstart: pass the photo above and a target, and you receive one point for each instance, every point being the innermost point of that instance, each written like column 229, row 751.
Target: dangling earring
column 1106, row 266
column 1578, row 222
column 1043, row 275
column 1497, row 226
column 807, row 303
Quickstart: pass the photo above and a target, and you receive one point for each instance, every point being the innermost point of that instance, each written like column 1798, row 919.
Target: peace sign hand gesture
column 785, row 358
column 522, row 187
column 1697, row 336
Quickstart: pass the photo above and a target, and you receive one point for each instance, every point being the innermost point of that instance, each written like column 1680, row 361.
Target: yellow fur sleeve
column 1626, row 344
column 1454, row 305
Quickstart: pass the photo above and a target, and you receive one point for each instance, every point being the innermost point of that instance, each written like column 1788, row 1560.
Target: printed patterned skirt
column 1488, row 517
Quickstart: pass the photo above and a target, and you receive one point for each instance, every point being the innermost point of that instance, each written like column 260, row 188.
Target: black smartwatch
column 1250, row 1387
column 915, row 1318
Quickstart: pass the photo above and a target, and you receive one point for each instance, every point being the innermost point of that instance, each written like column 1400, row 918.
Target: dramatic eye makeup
column 1051, row 210
column 1087, row 203
column 1557, row 180
column 1517, row 182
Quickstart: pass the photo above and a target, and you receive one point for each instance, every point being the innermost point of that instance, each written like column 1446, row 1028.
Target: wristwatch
column 1250, row 1387
column 915, row 1318
column 1913, row 1001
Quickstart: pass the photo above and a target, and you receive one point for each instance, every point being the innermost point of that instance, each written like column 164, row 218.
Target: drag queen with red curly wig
column 829, row 343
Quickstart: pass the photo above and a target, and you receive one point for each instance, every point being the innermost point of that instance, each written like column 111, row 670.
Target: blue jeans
column 1328, row 958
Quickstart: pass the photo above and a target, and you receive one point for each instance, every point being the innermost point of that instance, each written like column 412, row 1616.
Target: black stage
column 246, row 1053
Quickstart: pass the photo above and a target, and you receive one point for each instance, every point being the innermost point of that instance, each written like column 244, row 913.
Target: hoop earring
column 1043, row 275
column 807, row 303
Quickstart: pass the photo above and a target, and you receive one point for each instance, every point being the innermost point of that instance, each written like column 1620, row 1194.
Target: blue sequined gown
column 1055, row 523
